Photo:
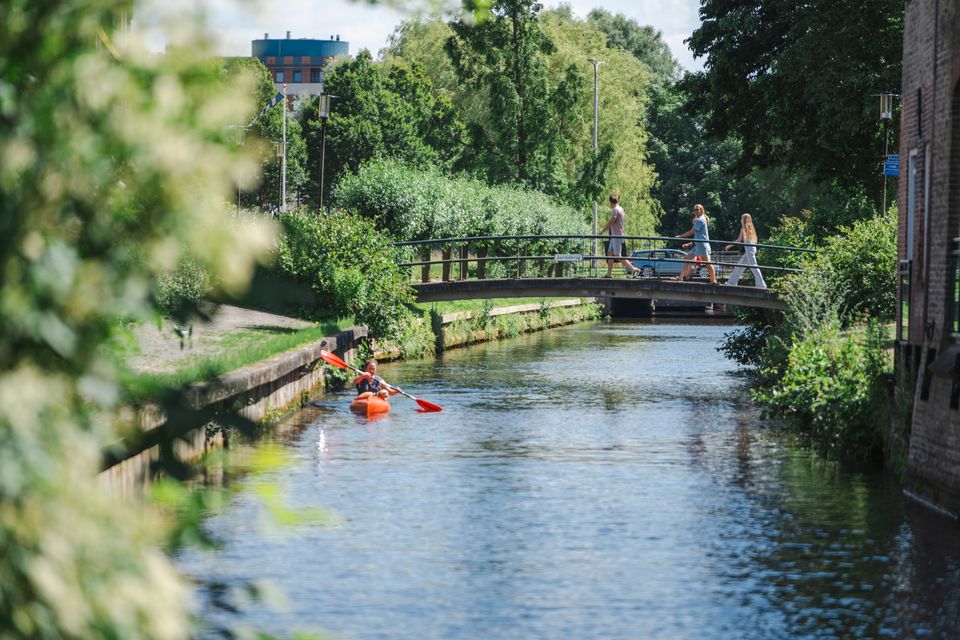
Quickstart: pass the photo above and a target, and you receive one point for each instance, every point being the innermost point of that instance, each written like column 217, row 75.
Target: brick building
column 928, row 322
column 298, row 62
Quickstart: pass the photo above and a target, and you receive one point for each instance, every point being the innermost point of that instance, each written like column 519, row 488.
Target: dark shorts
column 368, row 385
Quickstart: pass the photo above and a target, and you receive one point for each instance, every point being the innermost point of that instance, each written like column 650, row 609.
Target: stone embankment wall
column 466, row 327
column 258, row 392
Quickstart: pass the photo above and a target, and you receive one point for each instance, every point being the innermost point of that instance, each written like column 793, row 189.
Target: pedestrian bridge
column 538, row 266
column 627, row 288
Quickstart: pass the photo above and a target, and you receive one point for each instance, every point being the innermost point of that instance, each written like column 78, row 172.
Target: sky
column 237, row 22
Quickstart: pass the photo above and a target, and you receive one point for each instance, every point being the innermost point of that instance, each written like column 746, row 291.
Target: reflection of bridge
column 553, row 266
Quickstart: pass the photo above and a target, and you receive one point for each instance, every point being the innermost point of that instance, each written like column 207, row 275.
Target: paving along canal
column 598, row 481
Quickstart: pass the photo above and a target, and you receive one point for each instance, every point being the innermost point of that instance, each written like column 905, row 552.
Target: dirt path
column 161, row 349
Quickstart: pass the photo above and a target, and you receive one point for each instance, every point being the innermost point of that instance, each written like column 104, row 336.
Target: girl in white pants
column 748, row 235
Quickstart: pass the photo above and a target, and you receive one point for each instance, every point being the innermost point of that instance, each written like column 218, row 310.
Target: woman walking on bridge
column 748, row 235
column 701, row 244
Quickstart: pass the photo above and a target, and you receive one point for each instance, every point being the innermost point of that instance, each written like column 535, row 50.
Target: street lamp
column 886, row 116
column 281, row 153
column 596, row 112
column 326, row 102
column 283, row 169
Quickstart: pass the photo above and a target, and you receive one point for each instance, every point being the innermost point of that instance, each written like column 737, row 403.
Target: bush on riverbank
column 350, row 265
column 419, row 204
column 185, row 287
column 822, row 363
column 834, row 385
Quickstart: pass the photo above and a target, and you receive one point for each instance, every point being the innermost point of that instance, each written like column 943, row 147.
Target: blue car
column 660, row 262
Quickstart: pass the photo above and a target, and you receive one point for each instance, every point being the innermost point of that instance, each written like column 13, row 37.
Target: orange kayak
column 370, row 406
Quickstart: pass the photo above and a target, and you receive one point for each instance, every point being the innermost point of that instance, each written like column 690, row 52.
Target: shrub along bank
column 822, row 364
column 420, row 204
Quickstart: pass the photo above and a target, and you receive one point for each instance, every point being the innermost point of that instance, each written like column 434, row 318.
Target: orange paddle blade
column 333, row 360
column 428, row 406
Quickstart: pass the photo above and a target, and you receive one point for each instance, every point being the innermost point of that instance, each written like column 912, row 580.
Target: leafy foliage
column 570, row 172
column 115, row 166
column 349, row 264
column 859, row 260
column 864, row 258
column 522, row 141
column 643, row 41
column 381, row 113
column 795, row 81
column 185, row 287
column 819, row 366
column 834, row 383
column 415, row 204
column 265, row 135
column 621, row 165
column 693, row 168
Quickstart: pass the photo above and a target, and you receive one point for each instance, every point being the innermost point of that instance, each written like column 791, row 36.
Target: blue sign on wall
column 891, row 166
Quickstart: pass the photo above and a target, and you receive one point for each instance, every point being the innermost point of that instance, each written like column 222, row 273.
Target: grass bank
column 206, row 357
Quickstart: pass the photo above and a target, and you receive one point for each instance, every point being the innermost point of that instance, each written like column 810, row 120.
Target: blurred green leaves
column 115, row 166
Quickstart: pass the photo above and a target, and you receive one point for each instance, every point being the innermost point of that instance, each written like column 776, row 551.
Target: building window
column 316, row 76
column 953, row 292
column 279, row 77
column 903, row 295
column 919, row 113
column 911, row 201
column 298, row 76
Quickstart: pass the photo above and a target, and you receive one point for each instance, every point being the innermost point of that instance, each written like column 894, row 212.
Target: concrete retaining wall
column 450, row 322
column 259, row 392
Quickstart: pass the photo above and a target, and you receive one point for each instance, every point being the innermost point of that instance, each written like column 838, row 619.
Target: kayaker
column 368, row 384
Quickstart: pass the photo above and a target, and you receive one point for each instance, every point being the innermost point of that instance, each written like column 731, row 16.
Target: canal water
column 598, row 481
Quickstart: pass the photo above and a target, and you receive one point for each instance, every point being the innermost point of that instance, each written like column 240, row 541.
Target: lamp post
column 886, row 115
column 326, row 102
column 281, row 152
column 283, row 170
column 596, row 121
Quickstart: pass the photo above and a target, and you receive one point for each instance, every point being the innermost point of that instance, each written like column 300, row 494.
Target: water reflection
column 604, row 481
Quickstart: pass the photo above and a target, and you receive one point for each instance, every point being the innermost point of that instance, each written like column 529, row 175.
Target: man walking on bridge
column 617, row 226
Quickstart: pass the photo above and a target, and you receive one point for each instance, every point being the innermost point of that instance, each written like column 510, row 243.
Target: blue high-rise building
column 298, row 62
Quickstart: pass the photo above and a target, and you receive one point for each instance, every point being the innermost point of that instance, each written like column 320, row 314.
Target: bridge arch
column 544, row 266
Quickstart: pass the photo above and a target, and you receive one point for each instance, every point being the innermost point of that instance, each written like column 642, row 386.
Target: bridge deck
column 597, row 288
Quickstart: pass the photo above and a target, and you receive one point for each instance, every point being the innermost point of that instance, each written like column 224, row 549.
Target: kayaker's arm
column 390, row 389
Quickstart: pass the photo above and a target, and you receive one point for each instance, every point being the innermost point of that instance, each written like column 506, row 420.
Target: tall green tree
column 795, row 81
column 621, row 165
column 523, row 139
column 382, row 112
column 643, row 41
column 693, row 167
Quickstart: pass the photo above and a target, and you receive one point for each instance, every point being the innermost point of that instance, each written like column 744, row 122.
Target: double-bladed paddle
column 336, row 361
